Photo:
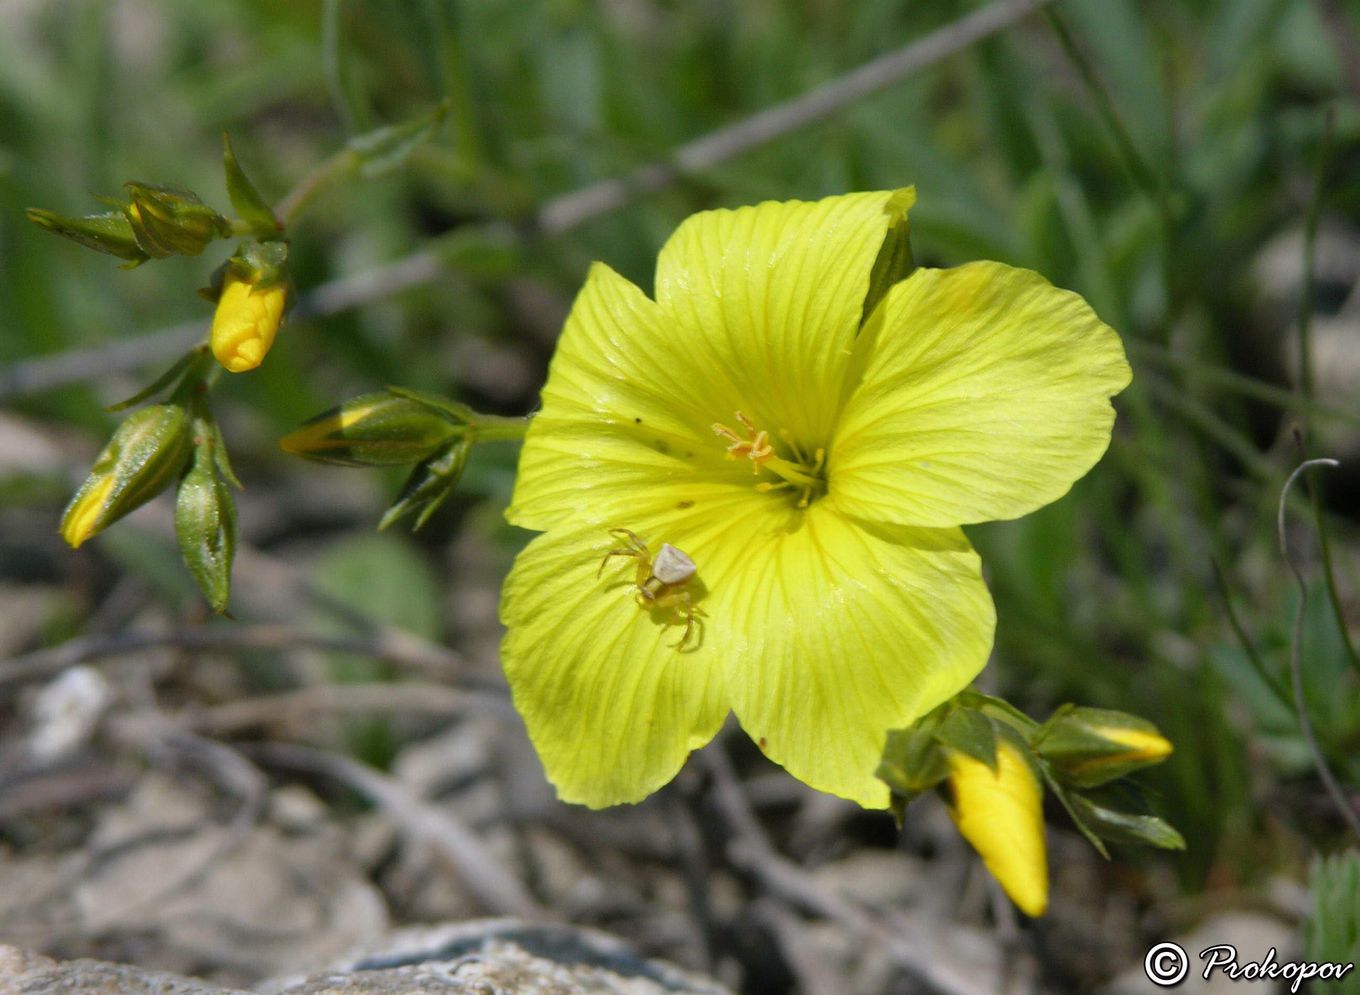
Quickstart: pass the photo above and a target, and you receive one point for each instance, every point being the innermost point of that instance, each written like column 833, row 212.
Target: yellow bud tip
column 81, row 519
column 1143, row 747
column 1000, row 812
column 245, row 324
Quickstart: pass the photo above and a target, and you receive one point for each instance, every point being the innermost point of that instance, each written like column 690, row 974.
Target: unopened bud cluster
column 176, row 442
column 251, row 289
column 991, row 764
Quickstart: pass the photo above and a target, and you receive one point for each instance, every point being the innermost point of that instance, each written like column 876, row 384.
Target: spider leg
column 613, row 552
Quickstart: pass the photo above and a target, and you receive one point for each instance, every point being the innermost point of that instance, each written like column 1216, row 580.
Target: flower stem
column 498, row 428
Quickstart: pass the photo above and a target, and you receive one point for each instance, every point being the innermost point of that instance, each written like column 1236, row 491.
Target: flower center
column 807, row 477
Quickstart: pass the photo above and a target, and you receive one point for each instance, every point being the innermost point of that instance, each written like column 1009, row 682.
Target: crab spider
column 662, row 581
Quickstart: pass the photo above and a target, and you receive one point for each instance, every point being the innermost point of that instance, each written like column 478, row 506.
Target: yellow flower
column 1000, row 812
column 246, row 321
column 782, row 491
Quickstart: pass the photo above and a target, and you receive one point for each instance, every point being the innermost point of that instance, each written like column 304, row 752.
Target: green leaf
column 382, row 578
column 971, row 733
column 161, row 382
column 1332, row 933
column 1077, row 817
column 252, row 208
column 385, row 149
column 1126, row 827
column 430, row 484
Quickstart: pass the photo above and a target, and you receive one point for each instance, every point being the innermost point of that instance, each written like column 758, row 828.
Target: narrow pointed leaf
column 253, row 209
column 385, row 149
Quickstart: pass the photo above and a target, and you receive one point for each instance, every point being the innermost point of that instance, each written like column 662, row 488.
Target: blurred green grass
column 1107, row 597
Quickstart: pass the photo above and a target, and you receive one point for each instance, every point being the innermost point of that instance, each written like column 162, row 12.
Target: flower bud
column 168, row 222
column 205, row 518
column 148, row 450
column 108, row 233
column 380, row 429
column 245, row 323
column 1000, row 812
column 1092, row 746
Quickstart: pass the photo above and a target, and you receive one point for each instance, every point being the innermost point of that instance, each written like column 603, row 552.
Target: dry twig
column 751, row 850
column 389, row 644
column 1343, row 805
column 490, row 882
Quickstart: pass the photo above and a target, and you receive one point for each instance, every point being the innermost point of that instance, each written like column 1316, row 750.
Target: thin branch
column 478, row 868
column 388, row 644
column 751, row 849
column 1270, row 679
column 560, row 214
column 1295, row 653
column 306, row 703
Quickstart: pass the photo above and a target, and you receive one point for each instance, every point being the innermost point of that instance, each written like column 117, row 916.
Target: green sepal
column 970, row 733
column 205, row 517
column 429, row 486
column 109, row 233
column 245, row 199
column 385, row 428
column 894, row 261
column 1066, row 800
column 456, row 410
column 170, row 221
column 1126, row 827
column 260, row 264
column 998, row 708
column 223, row 461
column 912, row 762
column 385, row 149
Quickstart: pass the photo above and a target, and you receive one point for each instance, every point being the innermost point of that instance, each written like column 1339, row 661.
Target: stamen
column 805, row 476
column 757, row 448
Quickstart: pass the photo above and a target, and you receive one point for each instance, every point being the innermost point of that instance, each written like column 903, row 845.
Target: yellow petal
column 624, row 420
column 1000, row 812
column 770, row 298
column 835, row 633
column 82, row 516
column 984, row 395
column 612, row 705
column 1144, row 746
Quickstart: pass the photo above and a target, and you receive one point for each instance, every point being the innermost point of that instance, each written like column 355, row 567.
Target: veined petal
column 984, row 394
column 626, row 414
column 769, row 298
column 612, row 705
column 839, row 632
